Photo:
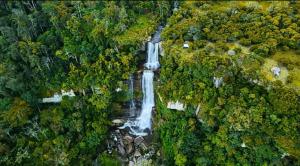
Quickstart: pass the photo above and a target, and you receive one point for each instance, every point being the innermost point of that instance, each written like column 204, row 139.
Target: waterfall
column 131, row 94
column 143, row 121
column 152, row 58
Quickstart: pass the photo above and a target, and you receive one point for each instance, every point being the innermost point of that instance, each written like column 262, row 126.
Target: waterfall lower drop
column 140, row 125
column 144, row 120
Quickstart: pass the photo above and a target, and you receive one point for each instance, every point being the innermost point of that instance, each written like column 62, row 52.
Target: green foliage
column 107, row 160
column 248, row 120
column 49, row 46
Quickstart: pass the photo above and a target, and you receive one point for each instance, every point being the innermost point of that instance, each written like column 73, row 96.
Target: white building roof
column 276, row 71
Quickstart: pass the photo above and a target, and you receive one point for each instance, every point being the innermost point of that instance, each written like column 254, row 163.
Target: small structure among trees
column 276, row 71
column 186, row 45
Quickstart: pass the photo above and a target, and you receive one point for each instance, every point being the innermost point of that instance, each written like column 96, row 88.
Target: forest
column 234, row 65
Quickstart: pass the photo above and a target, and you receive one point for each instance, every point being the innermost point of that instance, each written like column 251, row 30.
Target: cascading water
column 143, row 122
column 152, row 59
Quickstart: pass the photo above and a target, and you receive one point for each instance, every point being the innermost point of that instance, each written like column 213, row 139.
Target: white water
column 143, row 122
column 152, row 58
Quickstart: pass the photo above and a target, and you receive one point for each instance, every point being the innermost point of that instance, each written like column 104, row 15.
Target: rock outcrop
column 57, row 98
column 176, row 105
column 132, row 150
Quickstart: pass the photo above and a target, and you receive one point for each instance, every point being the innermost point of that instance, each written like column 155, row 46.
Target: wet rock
column 121, row 150
column 138, row 140
column 148, row 131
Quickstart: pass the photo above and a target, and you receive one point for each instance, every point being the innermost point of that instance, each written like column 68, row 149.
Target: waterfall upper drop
column 143, row 121
column 152, row 58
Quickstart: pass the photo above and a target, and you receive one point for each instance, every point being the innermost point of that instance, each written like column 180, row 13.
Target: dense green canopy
column 92, row 47
column 253, row 117
column 49, row 46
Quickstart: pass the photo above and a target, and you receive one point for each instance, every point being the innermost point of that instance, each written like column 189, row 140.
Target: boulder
column 131, row 163
column 231, row 52
column 121, row 150
column 137, row 153
column 121, row 142
column 138, row 140
column 175, row 105
column 129, row 148
column 128, row 139
column 118, row 122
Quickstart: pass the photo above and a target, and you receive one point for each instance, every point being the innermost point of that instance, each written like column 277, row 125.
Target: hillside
column 249, row 117
column 150, row 83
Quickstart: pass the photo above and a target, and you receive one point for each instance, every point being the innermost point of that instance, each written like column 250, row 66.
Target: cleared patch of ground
column 268, row 74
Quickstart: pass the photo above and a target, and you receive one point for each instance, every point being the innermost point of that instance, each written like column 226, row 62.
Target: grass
column 287, row 58
column 291, row 60
column 295, row 78
column 244, row 50
column 144, row 26
column 268, row 74
column 289, row 63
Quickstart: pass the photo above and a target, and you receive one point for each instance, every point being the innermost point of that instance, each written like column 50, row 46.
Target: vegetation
column 253, row 117
column 92, row 48
column 89, row 47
